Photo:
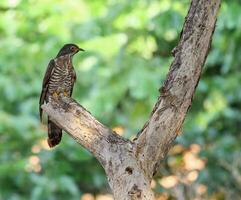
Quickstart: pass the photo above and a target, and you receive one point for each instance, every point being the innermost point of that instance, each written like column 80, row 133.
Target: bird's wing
column 74, row 79
column 45, row 84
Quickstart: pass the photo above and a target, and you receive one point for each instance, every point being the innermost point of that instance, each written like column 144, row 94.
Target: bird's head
column 69, row 49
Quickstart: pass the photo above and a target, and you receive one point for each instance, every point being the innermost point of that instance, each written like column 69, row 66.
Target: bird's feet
column 55, row 95
column 66, row 94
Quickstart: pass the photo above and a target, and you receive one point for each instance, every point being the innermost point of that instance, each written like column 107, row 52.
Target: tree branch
column 177, row 92
column 114, row 152
column 83, row 127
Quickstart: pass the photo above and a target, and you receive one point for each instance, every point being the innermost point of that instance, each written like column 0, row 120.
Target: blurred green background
column 128, row 45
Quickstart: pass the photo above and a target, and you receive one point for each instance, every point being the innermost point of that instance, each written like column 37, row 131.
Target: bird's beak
column 81, row 49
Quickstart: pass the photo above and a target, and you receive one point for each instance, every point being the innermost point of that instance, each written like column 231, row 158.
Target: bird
column 58, row 80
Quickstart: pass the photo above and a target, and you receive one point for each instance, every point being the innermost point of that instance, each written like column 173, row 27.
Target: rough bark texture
column 130, row 165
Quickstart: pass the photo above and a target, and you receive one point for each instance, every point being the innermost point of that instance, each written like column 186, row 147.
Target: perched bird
column 59, row 79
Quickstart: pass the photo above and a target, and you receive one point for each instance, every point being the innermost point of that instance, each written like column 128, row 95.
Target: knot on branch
column 135, row 192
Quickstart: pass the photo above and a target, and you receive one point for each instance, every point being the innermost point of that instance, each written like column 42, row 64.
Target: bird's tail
column 54, row 134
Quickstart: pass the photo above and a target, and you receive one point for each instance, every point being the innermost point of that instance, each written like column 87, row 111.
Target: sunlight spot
column 33, row 164
column 44, row 145
column 169, row 181
column 87, row 196
column 119, row 130
column 104, row 197
column 195, row 148
column 170, row 34
column 122, row 38
column 192, row 162
column 176, row 149
column 201, row 189
column 13, row 3
column 37, row 168
column 36, row 148
column 153, row 9
column 150, row 47
column 192, row 176
column 33, row 160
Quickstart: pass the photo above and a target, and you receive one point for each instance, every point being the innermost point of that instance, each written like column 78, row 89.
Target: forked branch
column 130, row 165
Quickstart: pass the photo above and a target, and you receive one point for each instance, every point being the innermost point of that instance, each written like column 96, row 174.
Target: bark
column 130, row 165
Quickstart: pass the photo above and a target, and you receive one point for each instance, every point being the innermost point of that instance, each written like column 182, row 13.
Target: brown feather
column 74, row 80
column 48, row 73
column 54, row 134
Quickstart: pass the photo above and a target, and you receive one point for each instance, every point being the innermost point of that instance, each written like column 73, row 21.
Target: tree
column 130, row 165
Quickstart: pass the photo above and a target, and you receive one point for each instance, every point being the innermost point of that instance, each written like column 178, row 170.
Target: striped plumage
column 63, row 76
column 59, row 79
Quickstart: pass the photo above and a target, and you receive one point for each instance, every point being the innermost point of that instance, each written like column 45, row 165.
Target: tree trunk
column 130, row 165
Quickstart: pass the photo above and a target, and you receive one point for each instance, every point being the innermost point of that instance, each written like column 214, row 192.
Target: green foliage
column 128, row 45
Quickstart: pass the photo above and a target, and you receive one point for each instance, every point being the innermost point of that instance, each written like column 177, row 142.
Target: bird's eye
column 72, row 48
